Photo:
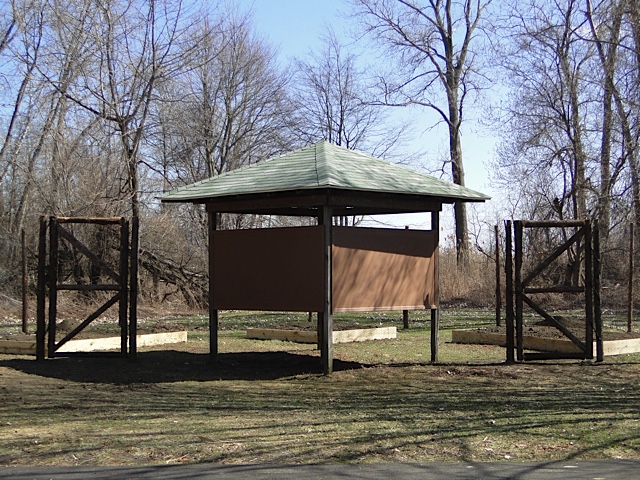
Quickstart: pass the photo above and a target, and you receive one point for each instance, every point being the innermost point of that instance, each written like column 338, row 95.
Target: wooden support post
column 123, row 302
column 498, row 286
column 519, row 288
column 630, row 286
column 597, row 291
column 405, row 313
column 41, row 324
column 213, row 313
column 53, row 284
column 326, row 330
column 133, row 290
column 25, row 284
column 435, row 333
column 319, row 330
column 509, row 291
column 435, row 304
column 588, row 289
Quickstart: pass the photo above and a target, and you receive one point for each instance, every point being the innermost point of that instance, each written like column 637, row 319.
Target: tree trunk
column 633, row 158
column 130, row 160
column 457, row 174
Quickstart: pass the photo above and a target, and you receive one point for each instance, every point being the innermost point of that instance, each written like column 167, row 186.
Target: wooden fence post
column 133, row 290
column 498, row 286
column 508, row 266
column 123, row 303
column 53, row 284
column 589, row 230
column 41, row 323
column 25, row 285
column 519, row 237
column 631, row 267
column 597, row 290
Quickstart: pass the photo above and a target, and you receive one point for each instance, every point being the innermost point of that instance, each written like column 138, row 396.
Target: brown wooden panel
column 268, row 269
column 383, row 269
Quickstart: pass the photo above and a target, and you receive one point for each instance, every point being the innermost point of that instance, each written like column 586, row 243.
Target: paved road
column 604, row 470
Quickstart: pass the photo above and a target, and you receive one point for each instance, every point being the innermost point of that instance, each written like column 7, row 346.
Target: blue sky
column 295, row 27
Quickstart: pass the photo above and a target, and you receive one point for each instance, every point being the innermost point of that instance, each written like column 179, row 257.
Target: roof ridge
column 315, row 161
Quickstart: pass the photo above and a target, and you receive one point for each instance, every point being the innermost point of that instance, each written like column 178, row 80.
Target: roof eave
column 302, row 191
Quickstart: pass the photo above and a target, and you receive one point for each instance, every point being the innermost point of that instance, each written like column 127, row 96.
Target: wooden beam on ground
column 553, row 356
column 113, row 343
column 91, row 345
column 544, row 344
column 309, row 336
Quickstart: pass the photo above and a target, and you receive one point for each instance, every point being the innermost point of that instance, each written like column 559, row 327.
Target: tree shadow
column 176, row 366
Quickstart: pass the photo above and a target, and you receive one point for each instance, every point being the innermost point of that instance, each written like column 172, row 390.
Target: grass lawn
column 266, row 402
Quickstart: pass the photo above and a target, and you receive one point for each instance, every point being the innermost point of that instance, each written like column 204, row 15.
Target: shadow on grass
column 176, row 366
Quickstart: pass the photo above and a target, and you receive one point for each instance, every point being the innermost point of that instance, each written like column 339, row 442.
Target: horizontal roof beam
column 307, row 203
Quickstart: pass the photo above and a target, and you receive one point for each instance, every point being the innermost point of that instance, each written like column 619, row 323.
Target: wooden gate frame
column 518, row 289
column 125, row 283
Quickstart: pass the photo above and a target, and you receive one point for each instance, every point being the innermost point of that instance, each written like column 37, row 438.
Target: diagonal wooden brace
column 88, row 253
column 538, row 309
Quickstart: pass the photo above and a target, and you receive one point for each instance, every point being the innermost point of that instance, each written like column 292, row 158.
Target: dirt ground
column 174, row 406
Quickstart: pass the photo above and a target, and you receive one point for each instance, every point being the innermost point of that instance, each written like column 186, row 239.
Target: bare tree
column 227, row 108
column 634, row 161
column 128, row 48
column 230, row 107
column 431, row 47
column 546, row 119
column 334, row 103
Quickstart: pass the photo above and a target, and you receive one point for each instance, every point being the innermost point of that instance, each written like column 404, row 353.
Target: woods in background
column 106, row 104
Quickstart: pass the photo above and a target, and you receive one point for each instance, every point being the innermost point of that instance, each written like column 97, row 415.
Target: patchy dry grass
column 265, row 402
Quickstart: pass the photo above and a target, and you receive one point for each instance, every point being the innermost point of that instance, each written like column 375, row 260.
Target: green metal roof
column 319, row 166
